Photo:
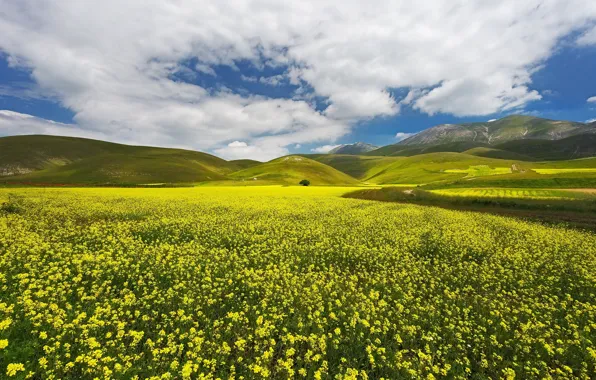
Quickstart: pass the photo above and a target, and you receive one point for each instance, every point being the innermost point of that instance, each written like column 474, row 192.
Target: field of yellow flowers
column 250, row 283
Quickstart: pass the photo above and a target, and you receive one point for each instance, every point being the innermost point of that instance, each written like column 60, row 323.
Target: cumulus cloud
column 591, row 99
column 237, row 144
column 324, row 148
column 590, row 121
column 116, row 64
column 399, row 136
column 491, row 120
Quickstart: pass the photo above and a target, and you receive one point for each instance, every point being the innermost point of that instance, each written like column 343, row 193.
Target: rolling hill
column 578, row 146
column 356, row 166
column 413, row 150
column 69, row 160
column 292, row 169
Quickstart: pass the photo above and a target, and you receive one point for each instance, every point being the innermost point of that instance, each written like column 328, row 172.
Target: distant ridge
column 356, row 148
column 515, row 127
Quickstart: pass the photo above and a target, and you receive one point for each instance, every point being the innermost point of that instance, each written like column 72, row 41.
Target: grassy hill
column 578, row 146
column 497, row 153
column 68, row 160
column 432, row 167
column 355, row 166
column 412, row 150
column 292, row 169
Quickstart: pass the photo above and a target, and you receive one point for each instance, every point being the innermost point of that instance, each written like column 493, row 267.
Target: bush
column 305, row 182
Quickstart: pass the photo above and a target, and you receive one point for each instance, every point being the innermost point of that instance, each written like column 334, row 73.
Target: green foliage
column 305, row 182
column 285, row 283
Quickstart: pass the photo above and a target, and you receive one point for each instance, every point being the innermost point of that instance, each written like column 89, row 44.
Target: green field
column 286, row 282
column 480, row 170
column 515, row 193
column 561, row 171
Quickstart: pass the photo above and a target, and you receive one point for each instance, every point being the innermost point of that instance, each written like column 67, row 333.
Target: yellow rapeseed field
column 248, row 283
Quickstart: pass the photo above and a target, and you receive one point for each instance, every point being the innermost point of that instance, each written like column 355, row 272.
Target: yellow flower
column 13, row 368
column 3, row 343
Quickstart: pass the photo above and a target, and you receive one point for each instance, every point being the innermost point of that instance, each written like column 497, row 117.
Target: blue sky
column 259, row 80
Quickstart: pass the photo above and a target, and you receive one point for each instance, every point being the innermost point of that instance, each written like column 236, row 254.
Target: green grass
column 435, row 167
column 497, row 153
column 480, row 170
column 290, row 170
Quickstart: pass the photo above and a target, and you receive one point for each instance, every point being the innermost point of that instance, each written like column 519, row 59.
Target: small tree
column 305, row 182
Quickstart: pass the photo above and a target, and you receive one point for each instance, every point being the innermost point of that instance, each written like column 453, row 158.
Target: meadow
column 285, row 282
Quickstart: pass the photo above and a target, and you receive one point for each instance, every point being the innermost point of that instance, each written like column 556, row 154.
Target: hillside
column 497, row 153
column 446, row 166
column 579, row 146
column 412, row 150
column 291, row 170
column 68, row 160
column 515, row 127
column 356, row 166
column 356, row 148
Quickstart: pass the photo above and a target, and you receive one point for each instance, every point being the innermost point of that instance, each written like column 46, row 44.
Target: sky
column 264, row 78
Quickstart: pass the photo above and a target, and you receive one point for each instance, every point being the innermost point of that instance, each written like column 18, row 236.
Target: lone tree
column 305, row 182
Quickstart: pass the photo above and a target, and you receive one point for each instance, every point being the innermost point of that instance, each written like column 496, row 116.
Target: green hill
column 578, row 146
column 497, row 153
column 355, row 166
column 292, row 169
column 412, row 150
column 445, row 166
column 68, row 160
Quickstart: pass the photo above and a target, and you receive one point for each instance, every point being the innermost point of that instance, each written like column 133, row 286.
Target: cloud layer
column 115, row 63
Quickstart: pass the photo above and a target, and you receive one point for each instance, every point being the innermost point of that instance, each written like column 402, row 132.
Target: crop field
column 564, row 170
column 515, row 193
column 285, row 282
column 480, row 170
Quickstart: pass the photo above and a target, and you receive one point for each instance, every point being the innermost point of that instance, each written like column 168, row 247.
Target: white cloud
column 590, row 121
column 588, row 38
column 491, row 120
column 403, row 135
column 591, row 99
column 112, row 62
column 237, row 144
column 324, row 148
column 15, row 123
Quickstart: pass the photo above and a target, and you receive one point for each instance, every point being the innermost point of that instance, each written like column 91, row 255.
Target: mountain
column 356, row 148
column 515, row 127
column 69, row 160
column 291, row 170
